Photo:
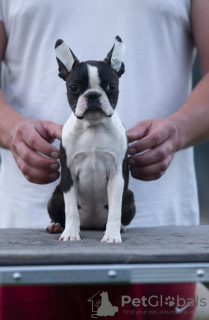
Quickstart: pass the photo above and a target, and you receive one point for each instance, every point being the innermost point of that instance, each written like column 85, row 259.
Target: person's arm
column 27, row 138
column 186, row 127
column 195, row 112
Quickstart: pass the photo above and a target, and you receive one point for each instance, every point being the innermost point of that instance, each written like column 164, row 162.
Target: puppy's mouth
column 94, row 113
column 93, row 109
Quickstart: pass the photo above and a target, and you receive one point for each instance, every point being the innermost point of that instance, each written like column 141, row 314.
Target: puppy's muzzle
column 93, row 101
column 92, row 96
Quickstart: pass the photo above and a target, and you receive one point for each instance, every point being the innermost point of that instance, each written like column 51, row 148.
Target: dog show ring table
column 146, row 255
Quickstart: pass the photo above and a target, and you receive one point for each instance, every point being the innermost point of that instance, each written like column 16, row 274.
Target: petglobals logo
column 152, row 301
column 178, row 303
column 101, row 306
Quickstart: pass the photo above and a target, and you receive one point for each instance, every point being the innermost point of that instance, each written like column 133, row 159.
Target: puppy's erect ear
column 65, row 58
column 115, row 56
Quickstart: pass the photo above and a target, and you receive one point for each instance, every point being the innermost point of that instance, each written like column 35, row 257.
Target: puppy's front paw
column 111, row 236
column 70, row 234
column 54, row 227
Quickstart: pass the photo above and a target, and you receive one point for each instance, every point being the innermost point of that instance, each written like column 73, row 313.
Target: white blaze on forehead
column 93, row 73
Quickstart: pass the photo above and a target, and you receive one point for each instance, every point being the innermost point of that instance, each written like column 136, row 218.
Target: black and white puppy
column 93, row 192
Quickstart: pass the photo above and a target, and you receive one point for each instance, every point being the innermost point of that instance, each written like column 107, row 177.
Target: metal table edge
column 104, row 274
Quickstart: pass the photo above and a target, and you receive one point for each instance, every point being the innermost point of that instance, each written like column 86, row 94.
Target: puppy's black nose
column 92, row 96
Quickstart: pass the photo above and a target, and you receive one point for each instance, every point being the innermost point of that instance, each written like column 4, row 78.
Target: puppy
column 93, row 192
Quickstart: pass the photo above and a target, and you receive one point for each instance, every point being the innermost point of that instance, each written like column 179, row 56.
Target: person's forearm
column 8, row 118
column 192, row 119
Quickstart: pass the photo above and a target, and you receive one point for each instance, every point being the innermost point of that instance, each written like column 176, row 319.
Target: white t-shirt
column 158, row 60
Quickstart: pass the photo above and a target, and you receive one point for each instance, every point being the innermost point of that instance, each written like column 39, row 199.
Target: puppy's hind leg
column 128, row 208
column 56, row 210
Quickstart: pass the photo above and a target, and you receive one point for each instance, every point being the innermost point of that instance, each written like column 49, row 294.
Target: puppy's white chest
column 93, row 150
column 93, row 161
column 103, row 143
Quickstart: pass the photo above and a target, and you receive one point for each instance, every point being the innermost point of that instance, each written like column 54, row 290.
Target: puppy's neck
column 94, row 122
column 91, row 121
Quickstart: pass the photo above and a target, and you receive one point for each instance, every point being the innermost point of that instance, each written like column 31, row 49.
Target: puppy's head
column 92, row 86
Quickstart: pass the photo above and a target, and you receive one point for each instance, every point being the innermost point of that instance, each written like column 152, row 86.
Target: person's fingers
column 54, row 130
column 152, row 155
column 153, row 133
column 33, row 158
column 37, row 137
column 154, row 139
column 152, row 169
column 42, row 181
column 155, row 176
column 138, row 131
column 36, row 142
column 34, row 174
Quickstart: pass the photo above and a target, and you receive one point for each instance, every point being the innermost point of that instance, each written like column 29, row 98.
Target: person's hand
column 156, row 141
column 35, row 156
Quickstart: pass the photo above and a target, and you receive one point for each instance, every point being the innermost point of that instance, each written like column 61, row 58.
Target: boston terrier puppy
column 93, row 192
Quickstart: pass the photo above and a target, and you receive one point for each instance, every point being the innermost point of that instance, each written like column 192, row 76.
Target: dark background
column 201, row 153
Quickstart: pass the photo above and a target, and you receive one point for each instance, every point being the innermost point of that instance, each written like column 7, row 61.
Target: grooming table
column 147, row 255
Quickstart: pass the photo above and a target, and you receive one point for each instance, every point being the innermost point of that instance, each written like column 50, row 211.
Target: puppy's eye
column 111, row 87
column 74, row 88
